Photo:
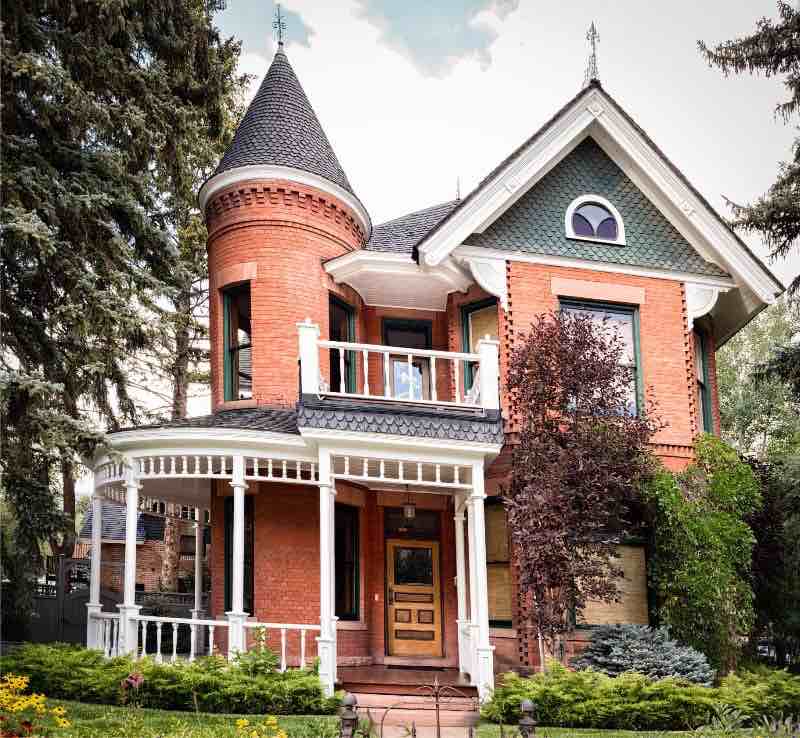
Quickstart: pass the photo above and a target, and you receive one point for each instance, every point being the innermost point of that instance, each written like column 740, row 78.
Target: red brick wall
column 283, row 232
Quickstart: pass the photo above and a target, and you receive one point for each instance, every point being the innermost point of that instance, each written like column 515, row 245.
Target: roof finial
column 591, row 66
column 458, row 188
column 279, row 25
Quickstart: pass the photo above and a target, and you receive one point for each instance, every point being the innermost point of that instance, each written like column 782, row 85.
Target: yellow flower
column 242, row 723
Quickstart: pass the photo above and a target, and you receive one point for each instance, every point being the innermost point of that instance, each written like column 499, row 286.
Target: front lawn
column 103, row 721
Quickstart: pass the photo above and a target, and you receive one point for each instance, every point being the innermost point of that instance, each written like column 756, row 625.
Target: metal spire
column 279, row 25
column 591, row 66
column 458, row 188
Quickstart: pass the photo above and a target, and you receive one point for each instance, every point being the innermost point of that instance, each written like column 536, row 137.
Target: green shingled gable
column 535, row 224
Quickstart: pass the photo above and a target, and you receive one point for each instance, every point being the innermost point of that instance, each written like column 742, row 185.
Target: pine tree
column 102, row 103
column 773, row 50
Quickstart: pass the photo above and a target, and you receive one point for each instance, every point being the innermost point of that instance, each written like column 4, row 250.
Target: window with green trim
column 238, row 370
column 347, row 555
column 701, row 374
column 624, row 320
column 248, row 553
column 478, row 319
column 342, row 322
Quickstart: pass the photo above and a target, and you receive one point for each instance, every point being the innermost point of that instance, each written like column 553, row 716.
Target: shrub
column 615, row 649
column 591, row 699
column 209, row 684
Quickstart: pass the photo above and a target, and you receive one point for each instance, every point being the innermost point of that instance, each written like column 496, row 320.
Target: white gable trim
column 470, row 253
column 594, row 113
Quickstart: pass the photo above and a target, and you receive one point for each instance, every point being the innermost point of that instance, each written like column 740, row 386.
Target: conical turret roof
column 280, row 128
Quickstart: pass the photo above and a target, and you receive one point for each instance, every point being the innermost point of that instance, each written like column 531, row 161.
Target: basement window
column 238, row 343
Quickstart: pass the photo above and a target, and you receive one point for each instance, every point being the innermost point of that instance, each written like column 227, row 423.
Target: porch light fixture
column 409, row 508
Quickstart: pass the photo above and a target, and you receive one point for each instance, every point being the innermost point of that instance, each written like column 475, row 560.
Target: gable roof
column 148, row 527
column 535, row 223
column 400, row 235
column 280, row 128
column 510, row 171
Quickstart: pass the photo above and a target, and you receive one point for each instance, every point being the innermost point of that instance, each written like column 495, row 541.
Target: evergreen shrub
column 615, row 649
column 631, row 701
column 210, row 684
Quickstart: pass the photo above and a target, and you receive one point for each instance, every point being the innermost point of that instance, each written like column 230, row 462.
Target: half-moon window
column 591, row 220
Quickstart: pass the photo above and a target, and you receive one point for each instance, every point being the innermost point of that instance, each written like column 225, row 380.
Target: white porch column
column 462, row 621
column 326, row 642
column 128, row 627
column 309, row 357
column 484, row 676
column 489, row 351
column 199, row 547
column 237, row 615
column 94, row 606
column 473, row 601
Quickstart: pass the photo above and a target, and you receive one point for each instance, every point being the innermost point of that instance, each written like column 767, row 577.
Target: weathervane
column 279, row 25
column 591, row 66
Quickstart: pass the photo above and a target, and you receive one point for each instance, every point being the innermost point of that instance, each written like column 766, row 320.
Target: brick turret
column 277, row 207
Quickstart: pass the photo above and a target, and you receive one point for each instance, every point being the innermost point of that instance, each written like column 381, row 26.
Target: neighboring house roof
column 148, row 527
column 535, row 224
column 275, row 420
column 281, row 128
column 400, row 235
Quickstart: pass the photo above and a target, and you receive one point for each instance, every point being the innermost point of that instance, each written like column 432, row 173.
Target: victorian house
column 352, row 463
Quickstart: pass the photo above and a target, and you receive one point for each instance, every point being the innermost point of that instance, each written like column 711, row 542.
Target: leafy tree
column 702, row 548
column 103, row 103
column 578, row 460
column 776, row 559
column 759, row 415
column 615, row 649
column 772, row 50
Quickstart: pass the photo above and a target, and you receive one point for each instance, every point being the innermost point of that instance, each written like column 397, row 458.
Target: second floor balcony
column 349, row 380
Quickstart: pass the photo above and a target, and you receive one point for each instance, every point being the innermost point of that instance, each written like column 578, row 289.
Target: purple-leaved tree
column 580, row 455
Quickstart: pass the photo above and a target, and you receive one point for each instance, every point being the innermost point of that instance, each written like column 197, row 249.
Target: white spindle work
column 388, row 471
column 431, row 361
column 286, row 632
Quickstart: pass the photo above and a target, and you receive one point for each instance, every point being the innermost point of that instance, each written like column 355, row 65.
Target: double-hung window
column 701, row 374
column 478, row 320
column 238, row 370
column 342, row 322
column 623, row 320
column 498, row 564
column 408, row 379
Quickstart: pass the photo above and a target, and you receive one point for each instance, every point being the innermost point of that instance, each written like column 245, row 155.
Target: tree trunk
column 171, row 558
column 180, row 365
column 66, row 547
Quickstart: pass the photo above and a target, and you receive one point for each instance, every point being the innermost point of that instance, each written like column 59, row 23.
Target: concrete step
column 408, row 709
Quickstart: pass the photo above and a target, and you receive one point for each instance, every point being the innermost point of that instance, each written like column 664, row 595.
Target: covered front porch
column 416, row 596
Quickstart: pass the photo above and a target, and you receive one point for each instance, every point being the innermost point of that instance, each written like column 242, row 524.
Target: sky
column 417, row 95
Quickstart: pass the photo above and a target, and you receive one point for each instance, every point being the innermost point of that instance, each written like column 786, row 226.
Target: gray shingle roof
column 535, row 224
column 148, row 527
column 275, row 420
column 477, row 426
column 281, row 128
column 402, row 234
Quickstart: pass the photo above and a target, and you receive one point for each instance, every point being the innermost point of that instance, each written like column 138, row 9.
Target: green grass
column 104, row 721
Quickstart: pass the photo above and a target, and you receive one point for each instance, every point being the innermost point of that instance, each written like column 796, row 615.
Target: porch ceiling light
column 409, row 508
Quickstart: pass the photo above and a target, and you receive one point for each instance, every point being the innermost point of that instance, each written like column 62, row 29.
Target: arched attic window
column 593, row 218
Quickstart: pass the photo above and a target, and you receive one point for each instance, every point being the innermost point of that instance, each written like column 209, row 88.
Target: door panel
column 413, row 602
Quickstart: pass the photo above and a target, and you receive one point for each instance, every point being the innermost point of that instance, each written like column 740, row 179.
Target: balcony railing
column 396, row 374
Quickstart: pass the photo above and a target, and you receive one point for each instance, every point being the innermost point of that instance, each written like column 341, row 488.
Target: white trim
column 491, row 275
column 595, row 114
column 598, row 200
column 700, row 301
column 406, row 448
column 221, row 440
column 273, row 171
column 468, row 252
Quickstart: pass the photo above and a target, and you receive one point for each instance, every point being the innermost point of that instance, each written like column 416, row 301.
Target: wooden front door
column 413, row 598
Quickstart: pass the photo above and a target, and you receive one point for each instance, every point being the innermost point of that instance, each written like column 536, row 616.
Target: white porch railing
column 417, row 376
column 107, row 629
column 199, row 631
column 284, row 629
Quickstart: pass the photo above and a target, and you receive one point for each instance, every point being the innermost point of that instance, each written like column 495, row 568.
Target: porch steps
column 413, row 708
